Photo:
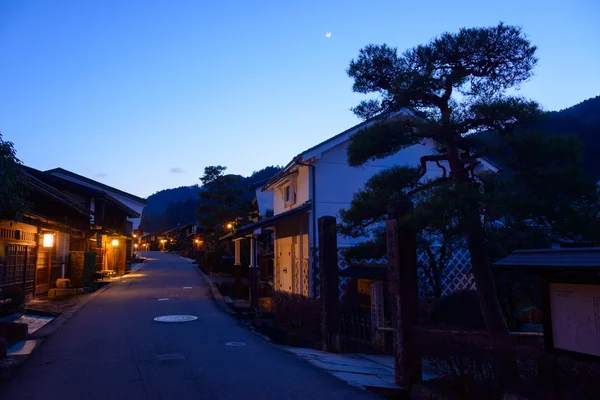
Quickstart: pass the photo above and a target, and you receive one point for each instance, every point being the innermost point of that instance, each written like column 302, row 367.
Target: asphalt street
column 113, row 349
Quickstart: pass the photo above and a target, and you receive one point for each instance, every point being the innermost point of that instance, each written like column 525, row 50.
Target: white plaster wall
column 134, row 205
column 336, row 181
column 302, row 182
column 265, row 201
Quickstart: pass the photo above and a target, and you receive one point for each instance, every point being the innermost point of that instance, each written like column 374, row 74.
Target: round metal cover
column 176, row 318
column 235, row 344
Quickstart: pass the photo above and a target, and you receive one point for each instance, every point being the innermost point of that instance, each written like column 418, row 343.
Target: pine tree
column 13, row 192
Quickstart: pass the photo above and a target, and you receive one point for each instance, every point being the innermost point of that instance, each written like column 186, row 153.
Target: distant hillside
column 158, row 202
column 581, row 120
column 171, row 207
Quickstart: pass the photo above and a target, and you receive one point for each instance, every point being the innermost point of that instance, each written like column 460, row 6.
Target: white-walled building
column 320, row 182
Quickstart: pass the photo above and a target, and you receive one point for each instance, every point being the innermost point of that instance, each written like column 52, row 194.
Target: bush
column 459, row 309
column 463, row 363
column 12, row 301
column 297, row 312
column 213, row 261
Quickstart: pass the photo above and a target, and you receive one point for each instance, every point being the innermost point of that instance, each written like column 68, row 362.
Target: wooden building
column 109, row 231
column 34, row 252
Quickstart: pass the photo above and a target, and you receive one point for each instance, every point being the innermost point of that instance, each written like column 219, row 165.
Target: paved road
column 113, row 349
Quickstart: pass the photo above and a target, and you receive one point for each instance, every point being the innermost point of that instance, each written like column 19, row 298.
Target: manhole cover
column 235, row 344
column 176, row 318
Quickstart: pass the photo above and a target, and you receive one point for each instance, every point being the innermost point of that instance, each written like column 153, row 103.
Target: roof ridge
column 94, row 182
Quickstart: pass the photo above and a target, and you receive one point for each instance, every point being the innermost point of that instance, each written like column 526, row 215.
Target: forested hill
column 583, row 121
column 170, row 207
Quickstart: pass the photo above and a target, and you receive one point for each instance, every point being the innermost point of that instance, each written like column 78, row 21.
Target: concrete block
column 54, row 293
column 63, row 283
column 13, row 332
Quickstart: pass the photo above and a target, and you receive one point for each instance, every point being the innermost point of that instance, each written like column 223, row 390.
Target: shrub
column 298, row 312
column 463, row 361
column 459, row 309
column 213, row 261
column 12, row 300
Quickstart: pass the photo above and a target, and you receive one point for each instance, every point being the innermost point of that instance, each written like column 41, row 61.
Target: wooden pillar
column 253, row 273
column 377, row 316
column 237, row 269
column 328, row 269
column 404, row 294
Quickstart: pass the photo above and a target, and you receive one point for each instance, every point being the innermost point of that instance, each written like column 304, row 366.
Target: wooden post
column 404, row 294
column 328, row 269
column 253, row 273
column 237, row 269
column 377, row 316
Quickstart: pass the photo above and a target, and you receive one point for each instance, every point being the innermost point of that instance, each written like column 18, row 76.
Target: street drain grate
column 235, row 344
column 175, row 318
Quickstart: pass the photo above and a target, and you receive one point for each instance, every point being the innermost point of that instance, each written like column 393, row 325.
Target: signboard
column 575, row 317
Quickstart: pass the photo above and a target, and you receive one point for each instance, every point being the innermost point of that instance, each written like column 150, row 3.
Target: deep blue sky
column 142, row 95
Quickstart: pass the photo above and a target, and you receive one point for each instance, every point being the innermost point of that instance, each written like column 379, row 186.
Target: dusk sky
column 142, row 95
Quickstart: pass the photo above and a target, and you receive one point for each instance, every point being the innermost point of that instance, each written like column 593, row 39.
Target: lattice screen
column 457, row 275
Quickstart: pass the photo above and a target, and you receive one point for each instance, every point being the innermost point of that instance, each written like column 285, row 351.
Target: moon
column 328, row 34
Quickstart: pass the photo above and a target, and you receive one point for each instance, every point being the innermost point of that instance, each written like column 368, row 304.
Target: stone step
column 60, row 292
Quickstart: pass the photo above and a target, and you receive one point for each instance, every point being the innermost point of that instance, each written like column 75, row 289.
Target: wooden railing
column 356, row 324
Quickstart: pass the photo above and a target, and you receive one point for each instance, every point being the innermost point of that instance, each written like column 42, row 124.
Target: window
column 289, row 194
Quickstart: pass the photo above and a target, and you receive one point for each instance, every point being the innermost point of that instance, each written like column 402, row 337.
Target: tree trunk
column 482, row 272
column 504, row 360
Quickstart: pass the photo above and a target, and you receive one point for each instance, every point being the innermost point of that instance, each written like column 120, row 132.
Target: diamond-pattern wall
column 296, row 279
column 457, row 274
column 305, row 278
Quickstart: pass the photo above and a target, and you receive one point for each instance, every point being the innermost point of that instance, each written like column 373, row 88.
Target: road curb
column 60, row 320
column 41, row 335
column 217, row 296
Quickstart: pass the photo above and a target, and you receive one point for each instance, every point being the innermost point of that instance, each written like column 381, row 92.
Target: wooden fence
column 356, row 324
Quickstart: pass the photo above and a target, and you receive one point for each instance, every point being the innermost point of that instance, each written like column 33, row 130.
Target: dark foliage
column 13, row 192
column 297, row 312
column 456, row 85
column 458, row 310
column 463, row 362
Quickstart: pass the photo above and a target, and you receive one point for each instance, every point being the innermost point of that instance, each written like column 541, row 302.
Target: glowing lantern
column 48, row 240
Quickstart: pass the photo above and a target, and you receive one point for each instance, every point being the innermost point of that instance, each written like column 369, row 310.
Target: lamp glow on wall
column 48, row 240
column 115, row 242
